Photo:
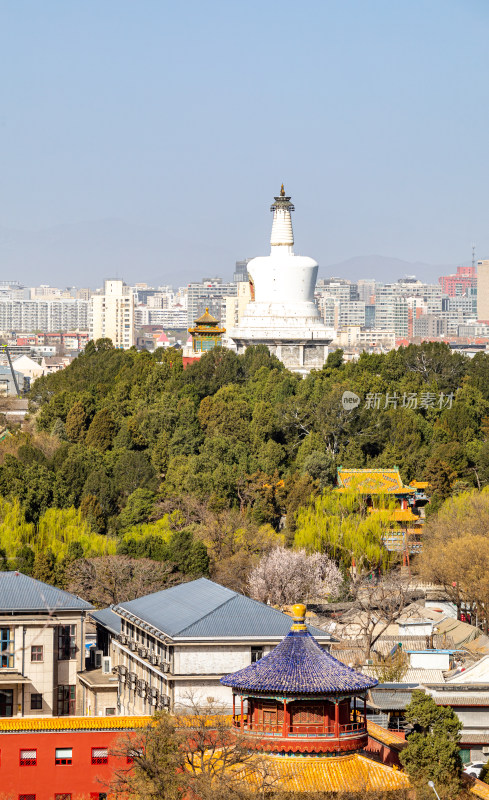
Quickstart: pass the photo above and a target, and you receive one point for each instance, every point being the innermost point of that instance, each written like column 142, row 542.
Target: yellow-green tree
column 342, row 525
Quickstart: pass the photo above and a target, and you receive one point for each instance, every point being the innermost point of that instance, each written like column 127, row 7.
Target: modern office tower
column 210, row 294
column 483, row 290
column 112, row 314
column 391, row 310
column 240, row 274
column 457, row 285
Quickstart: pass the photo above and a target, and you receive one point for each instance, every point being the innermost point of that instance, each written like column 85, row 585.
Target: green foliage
column 341, row 525
column 101, row 431
column 128, row 434
column 432, row 751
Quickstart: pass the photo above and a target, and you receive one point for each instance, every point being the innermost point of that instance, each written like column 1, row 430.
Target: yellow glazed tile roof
column 72, row 723
column 372, row 481
column 480, row 789
column 333, row 774
column 389, row 738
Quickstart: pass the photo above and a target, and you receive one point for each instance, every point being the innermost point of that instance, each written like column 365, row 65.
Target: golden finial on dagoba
column 282, row 191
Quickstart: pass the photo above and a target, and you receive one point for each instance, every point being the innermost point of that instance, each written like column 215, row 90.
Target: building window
column 256, row 654
column 110, row 712
column 37, row 652
column 6, row 702
column 66, row 796
column 27, row 797
column 100, row 755
column 98, row 796
column 63, row 756
column 66, row 701
column 28, row 758
column 66, row 642
column 36, row 701
column 6, row 649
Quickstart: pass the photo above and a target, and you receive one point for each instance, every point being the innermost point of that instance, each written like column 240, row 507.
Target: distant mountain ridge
column 84, row 253
column 385, row 269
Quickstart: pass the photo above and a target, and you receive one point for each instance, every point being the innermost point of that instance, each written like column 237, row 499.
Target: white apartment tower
column 112, row 315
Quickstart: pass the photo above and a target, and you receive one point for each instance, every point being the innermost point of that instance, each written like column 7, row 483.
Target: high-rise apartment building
column 112, row 314
column 457, row 285
column 46, row 316
column 210, row 294
column 391, row 310
column 483, row 290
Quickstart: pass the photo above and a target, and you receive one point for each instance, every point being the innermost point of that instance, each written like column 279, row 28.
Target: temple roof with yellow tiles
column 31, row 724
column 347, row 773
column 373, row 481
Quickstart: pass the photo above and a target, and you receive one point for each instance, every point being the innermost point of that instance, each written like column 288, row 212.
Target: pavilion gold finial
column 282, row 191
column 299, row 615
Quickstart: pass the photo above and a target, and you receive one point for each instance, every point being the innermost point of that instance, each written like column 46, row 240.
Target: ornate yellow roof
column 73, row 723
column 372, row 481
column 206, row 319
column 349, row 773
column 420, row 484
column 385, row 736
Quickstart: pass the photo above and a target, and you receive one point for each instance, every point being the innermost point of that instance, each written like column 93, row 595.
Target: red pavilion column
column 234, row 709
column 365, row 711
column 337, row 719
column 242, row 713
column 285, row 725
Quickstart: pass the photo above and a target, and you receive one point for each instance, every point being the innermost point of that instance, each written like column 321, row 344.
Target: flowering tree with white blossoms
column 287, row 576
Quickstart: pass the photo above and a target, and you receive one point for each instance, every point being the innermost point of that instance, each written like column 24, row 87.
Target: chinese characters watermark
column 379, row 401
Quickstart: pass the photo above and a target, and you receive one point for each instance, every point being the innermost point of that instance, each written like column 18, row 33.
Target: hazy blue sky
column 158, row 132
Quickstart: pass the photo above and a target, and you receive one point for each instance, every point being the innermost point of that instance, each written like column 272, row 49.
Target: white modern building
column 42, row 648
column 177, row 644
column 112, row 314
column 282, row 313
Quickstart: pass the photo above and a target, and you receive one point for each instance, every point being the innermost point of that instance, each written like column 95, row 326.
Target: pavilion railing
column 299, row 730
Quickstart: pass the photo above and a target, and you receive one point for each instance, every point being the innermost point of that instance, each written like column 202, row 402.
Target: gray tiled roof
column 204, row 609
column 390, row 701
column 19, row 593
column 107, row 618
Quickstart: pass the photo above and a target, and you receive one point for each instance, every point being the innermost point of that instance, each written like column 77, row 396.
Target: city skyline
column 156, row 146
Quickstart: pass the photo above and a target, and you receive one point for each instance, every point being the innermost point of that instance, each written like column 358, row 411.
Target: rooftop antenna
column 473, row 256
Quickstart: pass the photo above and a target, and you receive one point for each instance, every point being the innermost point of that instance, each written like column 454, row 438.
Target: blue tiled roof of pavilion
column 300, row 666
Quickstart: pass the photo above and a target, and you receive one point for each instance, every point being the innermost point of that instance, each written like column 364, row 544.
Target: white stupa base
column 300, row 350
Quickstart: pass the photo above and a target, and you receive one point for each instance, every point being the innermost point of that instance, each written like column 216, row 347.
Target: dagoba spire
column 282, row 233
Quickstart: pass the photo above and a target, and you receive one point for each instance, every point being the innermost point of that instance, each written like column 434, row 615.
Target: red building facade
column 61, row 758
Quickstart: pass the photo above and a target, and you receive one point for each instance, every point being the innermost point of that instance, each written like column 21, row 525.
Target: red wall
column 45, row 780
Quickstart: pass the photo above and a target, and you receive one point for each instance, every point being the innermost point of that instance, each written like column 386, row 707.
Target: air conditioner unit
column 485, row 750
column 122, row 669
column 133, row 646
column 166, row 702
column 166, row 666
column 122, row 638
column 98, row 658
column 132, row 677
column 143, row 652
column 154, row 700
column 106, row 665
column 153, row 691
column 154, row 658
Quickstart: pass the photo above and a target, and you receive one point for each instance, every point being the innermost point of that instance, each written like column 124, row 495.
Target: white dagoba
column 282, row 313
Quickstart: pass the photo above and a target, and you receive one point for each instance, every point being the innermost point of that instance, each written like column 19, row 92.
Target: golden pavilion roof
column 372, row 481
column 206, row 319
column 349, row 773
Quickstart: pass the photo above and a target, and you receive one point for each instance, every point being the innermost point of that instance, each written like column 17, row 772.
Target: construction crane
column 14, row 377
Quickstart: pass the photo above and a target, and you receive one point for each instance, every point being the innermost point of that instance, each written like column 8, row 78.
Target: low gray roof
column 204, row 609
column 19, row 593
column 390, row 700
column 108, row 619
